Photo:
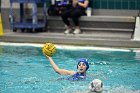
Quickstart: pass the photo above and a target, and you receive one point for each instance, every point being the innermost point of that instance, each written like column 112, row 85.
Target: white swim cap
column 96, row 86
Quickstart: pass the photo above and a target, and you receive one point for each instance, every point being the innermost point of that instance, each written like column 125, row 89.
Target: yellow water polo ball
column 49, row 49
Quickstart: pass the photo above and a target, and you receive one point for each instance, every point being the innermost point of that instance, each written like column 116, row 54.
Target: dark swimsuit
column 77, row 76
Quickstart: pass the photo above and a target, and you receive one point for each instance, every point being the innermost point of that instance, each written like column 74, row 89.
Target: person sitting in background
column 75, row 12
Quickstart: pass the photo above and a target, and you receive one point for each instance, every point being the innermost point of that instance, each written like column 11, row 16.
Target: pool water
column 24, row 69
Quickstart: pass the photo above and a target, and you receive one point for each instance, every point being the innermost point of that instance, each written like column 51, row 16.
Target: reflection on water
column 107, row 89
column 1, row 50
column 122, row 89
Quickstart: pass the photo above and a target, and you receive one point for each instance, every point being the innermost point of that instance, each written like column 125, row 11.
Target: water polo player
column 82, row 67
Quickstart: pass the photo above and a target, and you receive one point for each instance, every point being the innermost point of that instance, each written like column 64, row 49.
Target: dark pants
column 74, row 14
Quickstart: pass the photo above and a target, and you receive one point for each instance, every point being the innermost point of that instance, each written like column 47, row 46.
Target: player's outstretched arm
column 58, row 70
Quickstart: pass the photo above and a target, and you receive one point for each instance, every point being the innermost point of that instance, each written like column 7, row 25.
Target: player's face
column 82, row 67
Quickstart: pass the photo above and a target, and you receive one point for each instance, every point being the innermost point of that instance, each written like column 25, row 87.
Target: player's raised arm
column 49, row 50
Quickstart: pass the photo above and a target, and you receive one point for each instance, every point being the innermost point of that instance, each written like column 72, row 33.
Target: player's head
column 83, row 65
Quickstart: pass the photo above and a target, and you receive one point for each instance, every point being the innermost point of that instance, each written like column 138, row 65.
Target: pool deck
column 60, row 38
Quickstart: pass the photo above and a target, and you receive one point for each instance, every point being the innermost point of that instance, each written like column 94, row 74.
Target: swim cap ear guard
column 85, row 61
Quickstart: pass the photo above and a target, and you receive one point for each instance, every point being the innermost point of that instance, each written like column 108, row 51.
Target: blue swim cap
column 85, row 61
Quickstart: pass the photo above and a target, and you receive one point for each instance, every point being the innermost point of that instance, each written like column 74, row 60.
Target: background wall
column 116, row 4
